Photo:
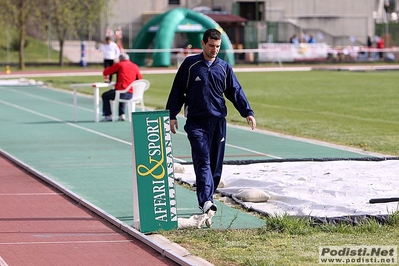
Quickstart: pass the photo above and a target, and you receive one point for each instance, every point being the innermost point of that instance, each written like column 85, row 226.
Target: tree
column 73, row 17
column 20, row 13
column 64, row 17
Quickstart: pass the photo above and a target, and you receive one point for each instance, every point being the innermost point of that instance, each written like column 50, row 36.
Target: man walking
column 200, row 85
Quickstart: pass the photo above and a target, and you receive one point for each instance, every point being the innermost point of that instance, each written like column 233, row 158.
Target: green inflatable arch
column 160, row 32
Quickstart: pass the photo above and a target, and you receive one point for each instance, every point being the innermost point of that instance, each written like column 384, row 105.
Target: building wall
column 340, row 22
column 131, row 15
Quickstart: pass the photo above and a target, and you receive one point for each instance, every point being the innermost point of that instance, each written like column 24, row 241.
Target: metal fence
column 390, row 32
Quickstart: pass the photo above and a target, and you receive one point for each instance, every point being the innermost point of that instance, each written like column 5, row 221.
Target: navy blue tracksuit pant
column 207, row 139
column 110, row 96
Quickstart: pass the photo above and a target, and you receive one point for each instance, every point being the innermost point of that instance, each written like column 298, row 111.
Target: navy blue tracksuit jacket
column 202, row 89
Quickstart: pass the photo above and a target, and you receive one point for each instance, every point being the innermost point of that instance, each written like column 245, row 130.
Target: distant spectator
column 109, row 33
column 386, row 7
column 294, row 39
column 369, row 46
column 381, row 45
column 311, row 39
column 369, row 42
column 111, row 52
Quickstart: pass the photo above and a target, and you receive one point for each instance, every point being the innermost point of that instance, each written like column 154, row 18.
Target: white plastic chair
column 139, row 87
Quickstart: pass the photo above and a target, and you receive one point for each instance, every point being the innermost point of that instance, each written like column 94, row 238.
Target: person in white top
column 111, row 52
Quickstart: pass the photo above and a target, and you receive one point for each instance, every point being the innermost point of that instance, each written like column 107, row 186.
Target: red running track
column 41, row 226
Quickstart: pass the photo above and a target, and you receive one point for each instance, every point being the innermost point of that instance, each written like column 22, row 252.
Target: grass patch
column 283, row 241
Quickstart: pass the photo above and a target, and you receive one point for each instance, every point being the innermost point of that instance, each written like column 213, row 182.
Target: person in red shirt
column 381, row 45
column 126, row 72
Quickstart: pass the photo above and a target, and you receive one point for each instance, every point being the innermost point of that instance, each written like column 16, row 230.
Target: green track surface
column 94, row 160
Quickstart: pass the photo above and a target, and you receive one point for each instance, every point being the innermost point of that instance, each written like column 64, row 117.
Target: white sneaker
column 209, row 205
column 122, row 117
column 209, row 209
column 107, row 118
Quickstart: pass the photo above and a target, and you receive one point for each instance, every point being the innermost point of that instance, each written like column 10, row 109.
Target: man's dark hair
column 213, row 34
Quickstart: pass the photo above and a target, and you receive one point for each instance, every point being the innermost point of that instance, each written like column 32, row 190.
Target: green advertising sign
column 154, row 201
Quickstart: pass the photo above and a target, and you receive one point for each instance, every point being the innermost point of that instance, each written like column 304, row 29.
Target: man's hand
column 173, row 126
column 251, row 121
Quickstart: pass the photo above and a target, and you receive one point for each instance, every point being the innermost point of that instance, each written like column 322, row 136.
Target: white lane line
column 312, row 141
column 148, row 71
column 2, row 262
column 249, row 150
column 70, row 105
column 65, row 74
column 244, row 149
column 73, row 235
column 108, row 136
column 47, row 99
column 271, row 69
column 268, row 105
column 180, row 160
column 315, row 142
column 65, row 242
column 70, row 124
column 30, row 194
column 63, row 121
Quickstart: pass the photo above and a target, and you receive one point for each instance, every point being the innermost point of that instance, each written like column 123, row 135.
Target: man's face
column 211, row 49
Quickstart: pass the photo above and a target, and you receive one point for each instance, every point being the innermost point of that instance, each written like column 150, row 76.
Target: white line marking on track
column 149, row 71
column 2, row 262
column 73, row 235
column 30, row 194
column 70, row 124
column 242, row 148
column 275, row 134
column 249, row 150
column 48, row 100
column 63, row 121
column 65, row 242
column 64, row 74
column 108, row 136
column 312, row 141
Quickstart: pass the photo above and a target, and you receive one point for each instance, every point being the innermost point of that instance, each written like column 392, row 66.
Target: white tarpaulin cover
column 19, row 82
column 317, row 189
